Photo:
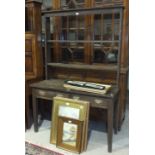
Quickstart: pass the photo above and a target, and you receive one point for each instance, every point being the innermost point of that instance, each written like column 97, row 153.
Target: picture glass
column 69, row 134
column 70, row 112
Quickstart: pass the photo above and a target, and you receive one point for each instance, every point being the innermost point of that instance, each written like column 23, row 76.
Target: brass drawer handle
column 76, row 97
column 98, row 101
column 42, row 92
column 59, row 95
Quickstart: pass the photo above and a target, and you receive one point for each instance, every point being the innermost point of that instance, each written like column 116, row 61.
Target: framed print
column 69, row 134
column 74, row 109
column 67, row 111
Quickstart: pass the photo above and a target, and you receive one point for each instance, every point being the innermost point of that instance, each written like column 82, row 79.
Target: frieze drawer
column 94, row 101
column 49, row 94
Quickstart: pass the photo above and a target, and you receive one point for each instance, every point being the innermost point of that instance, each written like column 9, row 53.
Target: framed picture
column 70, row 134
column 68, row 111
column 74, row 109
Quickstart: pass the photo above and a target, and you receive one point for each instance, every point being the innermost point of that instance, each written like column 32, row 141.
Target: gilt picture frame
column 65, row 107
column 70, row 134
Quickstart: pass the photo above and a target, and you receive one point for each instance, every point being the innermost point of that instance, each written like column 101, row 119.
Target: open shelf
column 84, row 41
column 104, row 67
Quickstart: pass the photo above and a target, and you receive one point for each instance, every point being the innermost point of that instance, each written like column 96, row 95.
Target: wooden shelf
column 105, row 67
column 83, row 11
column 83, row 41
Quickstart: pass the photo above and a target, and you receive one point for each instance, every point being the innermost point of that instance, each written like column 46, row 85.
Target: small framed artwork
column 70, row 134
column 64, row 107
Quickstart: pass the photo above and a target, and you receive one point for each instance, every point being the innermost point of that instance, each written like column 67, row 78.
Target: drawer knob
column 76, row 97
column 67, row 103
column 69, row 121
column 98, row 101
column 41, row 92
column 60, row 95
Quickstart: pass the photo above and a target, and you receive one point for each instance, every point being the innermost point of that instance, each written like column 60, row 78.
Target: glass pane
column 50, row 53
column 78, row 55
column 72, row 35
column 97, row 27
column 101, row 2
column 71, row 4
column 116, row 46
column 108, row 1
column 51, row 24
column 112, row 56
column 81, row 21
column 66, row 55
column 107, row 27
column 72, row 22
column 64, row 22
column 111, row 51
column 70, row 134
column 72, row 54
column 48, row 27
column 105, row 52
column 80, row 1
column 46, row 5
column 70, row 112
column 72, row 28
column 116, row 26
column 64, row 35
column 81, row 35
column 99, row 56
column 98, row 0
column 63, row 4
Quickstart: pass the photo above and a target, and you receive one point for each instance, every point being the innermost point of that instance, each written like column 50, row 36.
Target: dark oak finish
column 86, row 69
column 104, row 67
column 48, row 89
column 124, row 63
column 33, row 12
column 33, row 61
column 33, row 55
column 33, row 69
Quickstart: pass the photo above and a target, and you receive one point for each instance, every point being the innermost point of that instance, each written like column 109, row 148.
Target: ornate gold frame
column 69, row 145
column 83, row 107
